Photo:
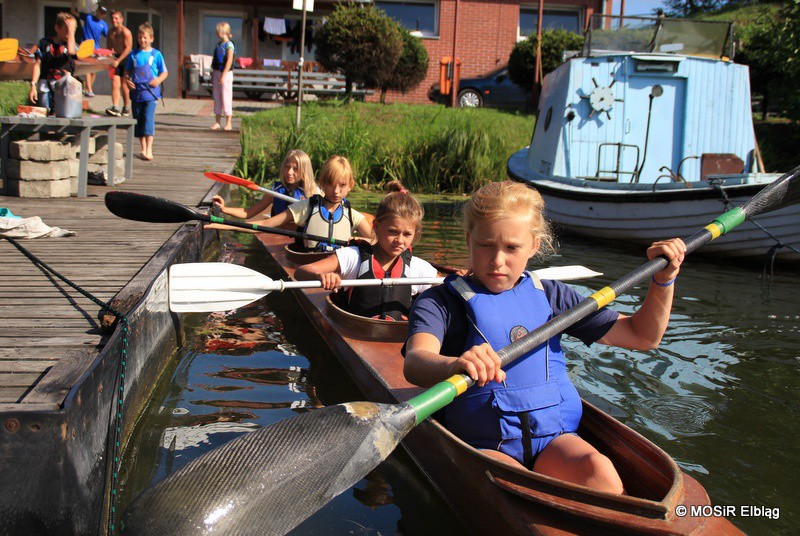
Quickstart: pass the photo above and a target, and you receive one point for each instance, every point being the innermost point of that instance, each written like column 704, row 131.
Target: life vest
column 141, row 76
column 536, row 383
column 321, row 222
column 280, row 205
column 56, row 60
column 386, row 303
column 220, row 54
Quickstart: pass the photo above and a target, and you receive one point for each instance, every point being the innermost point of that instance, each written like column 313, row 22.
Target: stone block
column 102, row 141
column 28, row 170
column 75, row 141
column 119, row 167
column 56, row 188
column 101, row 156
column 40, row 151
column 74, row 165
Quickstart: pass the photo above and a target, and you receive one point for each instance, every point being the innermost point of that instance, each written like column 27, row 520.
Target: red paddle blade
column 231, row 179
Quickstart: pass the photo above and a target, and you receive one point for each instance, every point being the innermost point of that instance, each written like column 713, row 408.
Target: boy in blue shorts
column 144, row 73
column 95, row 28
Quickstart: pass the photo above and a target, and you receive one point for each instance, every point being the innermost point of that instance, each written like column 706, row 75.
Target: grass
column 13, row 94
column 428, row 148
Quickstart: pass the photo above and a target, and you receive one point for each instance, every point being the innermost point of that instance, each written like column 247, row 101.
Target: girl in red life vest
column 296, row 180
column 397, row 225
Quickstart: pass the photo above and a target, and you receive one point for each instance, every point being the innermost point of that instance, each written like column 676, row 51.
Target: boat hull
column 521, row 502
column 22, row 67
column 643, row 215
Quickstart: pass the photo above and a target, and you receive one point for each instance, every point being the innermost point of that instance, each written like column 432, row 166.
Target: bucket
column 68, row 97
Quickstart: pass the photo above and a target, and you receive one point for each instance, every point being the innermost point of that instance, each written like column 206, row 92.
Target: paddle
column 203, row 287
column 270, row 480
column 8, row 48
column 238, row 181
column 140, row 207
column 85, row 49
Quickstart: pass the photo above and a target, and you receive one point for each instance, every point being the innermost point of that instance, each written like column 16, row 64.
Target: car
column 494, row 89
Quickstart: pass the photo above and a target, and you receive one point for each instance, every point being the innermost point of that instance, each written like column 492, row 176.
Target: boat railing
column 599, row 174
column 611, row 33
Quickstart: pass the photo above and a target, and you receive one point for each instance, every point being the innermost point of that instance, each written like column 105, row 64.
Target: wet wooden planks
column 49, row 332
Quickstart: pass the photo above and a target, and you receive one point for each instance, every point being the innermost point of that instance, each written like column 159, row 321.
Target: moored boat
column 521, row 502
column 648, row 133
column 21, row 67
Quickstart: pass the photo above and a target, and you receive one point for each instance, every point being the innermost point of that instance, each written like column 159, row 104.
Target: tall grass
column 11, row 95
column 428, row 148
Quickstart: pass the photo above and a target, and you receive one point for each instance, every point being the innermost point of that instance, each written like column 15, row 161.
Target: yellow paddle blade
column 8, row 48
column 85, row 49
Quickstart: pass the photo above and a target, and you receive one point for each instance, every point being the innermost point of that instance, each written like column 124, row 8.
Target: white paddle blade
column 215, row 286
column 566, row 273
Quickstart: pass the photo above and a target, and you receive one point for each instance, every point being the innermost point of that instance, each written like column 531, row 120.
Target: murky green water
column 719, row 395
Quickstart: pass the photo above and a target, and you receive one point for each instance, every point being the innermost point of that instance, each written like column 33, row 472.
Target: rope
column 773, row 251
column 115, row 415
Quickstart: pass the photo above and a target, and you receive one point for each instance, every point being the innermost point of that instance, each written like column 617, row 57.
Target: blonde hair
column 499, row 200
column 146, row 28
column 224, row 28
column 304, row 168
column 335, row 169
column 62, row 17
column 401, row 204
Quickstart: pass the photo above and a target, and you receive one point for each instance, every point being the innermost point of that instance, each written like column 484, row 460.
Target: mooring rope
column 115, row 415
column 773, row 251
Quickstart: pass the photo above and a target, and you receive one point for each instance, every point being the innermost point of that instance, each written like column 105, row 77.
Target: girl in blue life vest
column 329, row 214
column 528, row 412
column 397, row 225
column 296, row 180
column 222, row 77
column 144, row 73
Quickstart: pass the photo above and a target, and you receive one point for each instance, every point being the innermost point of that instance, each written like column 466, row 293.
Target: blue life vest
column 537, row 383
column 141, row 76
column 280, row 205
column 220, row 55
column 385, row 303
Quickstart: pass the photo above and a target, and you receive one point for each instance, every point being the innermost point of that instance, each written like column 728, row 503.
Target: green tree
column 522, row 62
column 411, row 68
column 360, row 42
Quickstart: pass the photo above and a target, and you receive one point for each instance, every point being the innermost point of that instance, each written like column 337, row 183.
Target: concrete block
column 101, row 156
column 28, row 170
column 119, row 167
column 75, row 141
column 40, row 151
column 22, row 188
column 74, row 165
column 102, row 141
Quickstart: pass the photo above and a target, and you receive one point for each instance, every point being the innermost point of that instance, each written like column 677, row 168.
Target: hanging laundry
column 274, row 26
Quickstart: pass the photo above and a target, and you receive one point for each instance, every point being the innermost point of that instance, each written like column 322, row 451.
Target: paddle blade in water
column 781, row 193
column 140, row 207
column 269, row 481
column 8, row 48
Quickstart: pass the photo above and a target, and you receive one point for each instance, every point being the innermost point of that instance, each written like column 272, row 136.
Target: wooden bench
column 283, row 83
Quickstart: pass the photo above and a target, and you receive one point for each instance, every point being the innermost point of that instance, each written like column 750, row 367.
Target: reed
column 429, row 148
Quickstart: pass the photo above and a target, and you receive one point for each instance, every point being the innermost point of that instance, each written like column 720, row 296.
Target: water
column 719, row 395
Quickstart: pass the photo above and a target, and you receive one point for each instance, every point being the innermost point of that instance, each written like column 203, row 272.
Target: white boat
column 647, row 133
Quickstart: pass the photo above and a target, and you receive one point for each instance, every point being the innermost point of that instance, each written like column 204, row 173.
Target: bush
column 429, row 148
column 522, row 63
column 360, row 42
column 411, row 68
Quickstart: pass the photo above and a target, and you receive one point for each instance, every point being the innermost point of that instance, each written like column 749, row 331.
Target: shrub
column 411, row 68
column 522, row 63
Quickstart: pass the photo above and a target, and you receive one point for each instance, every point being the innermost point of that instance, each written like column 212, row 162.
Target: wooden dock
column 51, row 338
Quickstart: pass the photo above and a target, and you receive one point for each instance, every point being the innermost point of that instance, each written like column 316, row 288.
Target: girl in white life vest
column 397, row 225
column 296, row 180
column 329, row 214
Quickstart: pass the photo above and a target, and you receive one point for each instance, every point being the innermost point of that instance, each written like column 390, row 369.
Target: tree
column 411, row 68
column 360, row 42
column 522, row 62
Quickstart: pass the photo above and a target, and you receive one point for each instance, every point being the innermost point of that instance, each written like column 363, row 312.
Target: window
column 208, row 33
column 134, row 19
column 50, row 12
column 420, row 16
column 567, row 19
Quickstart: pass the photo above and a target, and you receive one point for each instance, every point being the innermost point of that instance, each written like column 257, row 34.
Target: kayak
column 661, row 498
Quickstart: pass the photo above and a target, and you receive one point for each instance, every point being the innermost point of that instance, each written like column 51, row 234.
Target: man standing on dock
column 120, row 40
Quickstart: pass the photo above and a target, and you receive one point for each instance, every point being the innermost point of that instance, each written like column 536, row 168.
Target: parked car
column 493, row 89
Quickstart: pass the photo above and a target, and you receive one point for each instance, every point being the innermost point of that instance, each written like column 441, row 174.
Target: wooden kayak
column 21, row 68
column 521, row 502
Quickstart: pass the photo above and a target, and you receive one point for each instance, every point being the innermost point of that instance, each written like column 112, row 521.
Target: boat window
column 420, row 16
column 649, row 66
column 547, row 118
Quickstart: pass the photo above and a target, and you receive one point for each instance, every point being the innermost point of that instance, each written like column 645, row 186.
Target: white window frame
column 548, row 9
column 149, row 12
column 47, row 32
column 436, row 7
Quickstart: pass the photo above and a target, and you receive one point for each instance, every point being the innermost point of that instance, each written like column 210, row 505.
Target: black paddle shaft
column 140, row 207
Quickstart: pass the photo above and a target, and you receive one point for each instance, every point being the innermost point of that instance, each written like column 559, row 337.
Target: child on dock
column 529, row 412
column 329, row 214
column 55, row 57
column 296, row 180
column 144, row 73
column 397, row 225
column 222, row 82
